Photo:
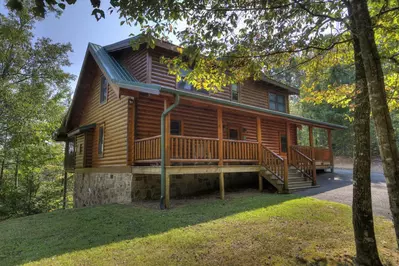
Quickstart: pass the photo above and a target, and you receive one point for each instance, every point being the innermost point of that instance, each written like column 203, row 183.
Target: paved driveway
column 338, row 187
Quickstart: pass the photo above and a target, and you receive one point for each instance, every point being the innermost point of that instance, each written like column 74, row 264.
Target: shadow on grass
column 45, row 235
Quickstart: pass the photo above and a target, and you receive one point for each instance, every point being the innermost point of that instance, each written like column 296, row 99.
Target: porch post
column 167, row 155
column 312, row 155
column 167, row 134
column 330, row 149
column 288, row 142
column 259, row 139
column 311, row 142
column 220, row 152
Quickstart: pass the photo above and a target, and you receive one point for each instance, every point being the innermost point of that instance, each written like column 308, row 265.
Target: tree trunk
column 362, row 213
column 379, row 107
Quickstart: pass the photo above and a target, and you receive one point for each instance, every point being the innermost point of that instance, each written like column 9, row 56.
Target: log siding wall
column 136, row 62
column 145, row 65
column 199, row 121
column 80, row 151
column 113, row 115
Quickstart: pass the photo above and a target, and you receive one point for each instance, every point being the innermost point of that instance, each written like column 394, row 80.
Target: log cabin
column 133, row 132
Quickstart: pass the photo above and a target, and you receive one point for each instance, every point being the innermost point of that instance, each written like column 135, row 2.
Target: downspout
column 164, row 114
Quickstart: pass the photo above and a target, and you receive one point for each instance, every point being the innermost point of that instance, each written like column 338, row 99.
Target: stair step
column 297, row 178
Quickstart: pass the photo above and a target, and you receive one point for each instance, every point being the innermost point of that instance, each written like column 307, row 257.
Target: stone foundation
column 104, row 188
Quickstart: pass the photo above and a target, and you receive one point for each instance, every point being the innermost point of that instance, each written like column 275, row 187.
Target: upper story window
column 277, row 102
column 234, row 93
column 103, row 90
column 184, row 85
column 101, row 141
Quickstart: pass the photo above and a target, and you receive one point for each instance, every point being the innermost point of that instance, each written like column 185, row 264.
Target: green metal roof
column 115, row 72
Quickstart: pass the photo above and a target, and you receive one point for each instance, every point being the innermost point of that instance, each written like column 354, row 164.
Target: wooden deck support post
column 330, row 149
column 220, row 150
column 259, row 139
column 221, row 185
column 285, row 175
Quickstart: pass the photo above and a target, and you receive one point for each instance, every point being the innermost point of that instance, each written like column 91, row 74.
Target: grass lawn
column 261, row 229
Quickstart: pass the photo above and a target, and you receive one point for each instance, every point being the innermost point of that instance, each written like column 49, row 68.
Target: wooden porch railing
column 320, row 153
column 195, row 149
column 304, row 164
column 306, row 150
column 147, row 149
column 240, row 151
column 275, row 164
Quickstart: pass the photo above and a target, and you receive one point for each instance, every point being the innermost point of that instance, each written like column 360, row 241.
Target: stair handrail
column 298, row 160
column 276, row 165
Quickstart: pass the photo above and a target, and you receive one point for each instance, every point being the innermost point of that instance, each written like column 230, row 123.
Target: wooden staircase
column 272, row 179
column 297, row 181
column 300, row 175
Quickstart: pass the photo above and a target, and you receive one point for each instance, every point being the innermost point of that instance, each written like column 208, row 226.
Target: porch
column 289, row 170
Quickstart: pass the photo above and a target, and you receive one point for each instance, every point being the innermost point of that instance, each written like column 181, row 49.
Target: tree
column 245, row 39
column 33, row 94
column 363, row 224
column 379, row 107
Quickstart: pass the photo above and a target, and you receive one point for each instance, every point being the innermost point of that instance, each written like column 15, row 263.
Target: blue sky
column 77, row 26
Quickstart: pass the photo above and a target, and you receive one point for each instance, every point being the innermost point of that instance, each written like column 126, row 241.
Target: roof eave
column 253, row 108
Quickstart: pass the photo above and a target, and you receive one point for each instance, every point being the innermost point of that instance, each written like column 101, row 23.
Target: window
column 234, row 92
column 101, row 141
column 80, row 148
column 233, row 133
column 283, row 141
column 104, row 90
column 71, row 147
column 175, row 127
column 184, row 85
column 277, row 102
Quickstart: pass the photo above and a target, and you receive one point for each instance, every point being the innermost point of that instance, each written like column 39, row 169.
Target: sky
column 77, row 26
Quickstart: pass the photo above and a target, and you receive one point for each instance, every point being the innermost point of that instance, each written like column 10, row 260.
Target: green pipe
column 164, row 114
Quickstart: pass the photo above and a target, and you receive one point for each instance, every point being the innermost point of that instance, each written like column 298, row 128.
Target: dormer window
column 184, row 85
column 103, row 90
column 234, row 93
column 277, row 102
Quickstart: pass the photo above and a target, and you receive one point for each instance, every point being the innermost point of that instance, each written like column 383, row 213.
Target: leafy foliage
column 33, row 97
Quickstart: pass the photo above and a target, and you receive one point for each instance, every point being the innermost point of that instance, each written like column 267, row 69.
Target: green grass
column 260, row 229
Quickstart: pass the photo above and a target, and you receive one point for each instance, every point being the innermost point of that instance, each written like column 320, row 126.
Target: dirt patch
column 347, row 163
